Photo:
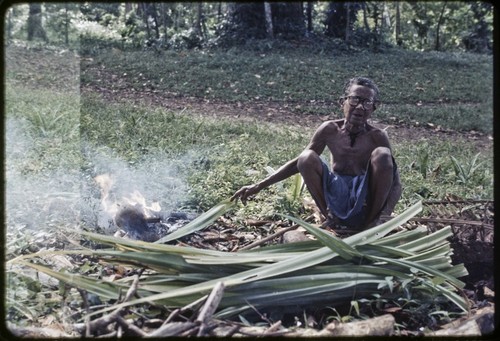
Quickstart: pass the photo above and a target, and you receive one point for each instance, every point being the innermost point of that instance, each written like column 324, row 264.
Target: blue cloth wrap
column 345, row 196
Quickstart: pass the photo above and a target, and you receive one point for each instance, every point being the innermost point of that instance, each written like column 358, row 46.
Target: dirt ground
column 278, row 113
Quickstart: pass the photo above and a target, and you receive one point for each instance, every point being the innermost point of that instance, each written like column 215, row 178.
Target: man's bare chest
column 348, row 157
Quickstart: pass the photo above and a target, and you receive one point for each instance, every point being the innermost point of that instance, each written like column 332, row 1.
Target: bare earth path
column 274, row 112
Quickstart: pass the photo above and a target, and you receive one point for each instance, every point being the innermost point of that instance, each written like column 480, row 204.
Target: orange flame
column 110, row 207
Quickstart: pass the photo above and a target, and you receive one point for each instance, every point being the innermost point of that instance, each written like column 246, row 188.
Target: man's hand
column 245, row 192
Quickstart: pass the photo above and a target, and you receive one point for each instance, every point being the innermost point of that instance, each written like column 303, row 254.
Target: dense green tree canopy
column 421, row 25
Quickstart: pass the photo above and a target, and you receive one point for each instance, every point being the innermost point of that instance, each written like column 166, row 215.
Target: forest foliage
column 373, row 25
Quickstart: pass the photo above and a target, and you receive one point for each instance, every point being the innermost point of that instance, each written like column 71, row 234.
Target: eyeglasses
column 366, row 103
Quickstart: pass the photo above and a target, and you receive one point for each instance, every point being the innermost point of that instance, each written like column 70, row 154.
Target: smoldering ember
column 131, row 216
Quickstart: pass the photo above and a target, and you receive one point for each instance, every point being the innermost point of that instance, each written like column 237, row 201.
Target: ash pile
column 133, row 223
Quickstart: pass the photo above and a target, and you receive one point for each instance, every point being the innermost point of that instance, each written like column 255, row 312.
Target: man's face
column 358, row 104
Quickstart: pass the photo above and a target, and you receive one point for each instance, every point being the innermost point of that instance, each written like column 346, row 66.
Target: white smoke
column 155, row 177
column 53, row 197
column 35, row 199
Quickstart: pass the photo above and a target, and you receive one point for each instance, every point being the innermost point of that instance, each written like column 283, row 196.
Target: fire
column 129, row 212
column 136, row 198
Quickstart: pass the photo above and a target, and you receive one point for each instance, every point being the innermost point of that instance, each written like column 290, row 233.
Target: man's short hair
column 364, row 82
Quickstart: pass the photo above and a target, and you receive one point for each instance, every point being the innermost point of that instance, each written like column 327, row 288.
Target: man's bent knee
column 308, row 159
column 382, row 157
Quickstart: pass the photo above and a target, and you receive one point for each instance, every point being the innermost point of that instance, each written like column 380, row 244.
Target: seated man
column 364, row 181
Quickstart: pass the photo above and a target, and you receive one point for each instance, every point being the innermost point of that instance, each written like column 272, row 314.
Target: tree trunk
column 247, row 20
column 197, row 25
column 66, row 24
column 375, row 17
column 250, row 20
column 269, row 20
column 365, row 18
column 420, row 21
column 35, row 28
column 347, row 22
column 142, row 11
column 9, row 26
column 438, row 28
column 479, row 38
column 309, row 10
column 399, row 41
column 340, row 16
column 204, row 28
column 386, row 17
column 152, row 12
column 175, row 14
column 288, row 20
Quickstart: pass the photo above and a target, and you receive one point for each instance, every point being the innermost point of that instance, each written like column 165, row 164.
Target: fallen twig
column 130, row 327
column 232, row 330
column 452, row 221
column 268, row 238
column 253, row 222
column 471, row 201
column 178, row 311
column 172, row 315
column 83, row 293
column 274, row 235
column 173, row 329
column 257, row 332
column 273, row 328
column 212, row 303
column 210, row 306
column 113, row 334
column 101, row 323
column 132, row 290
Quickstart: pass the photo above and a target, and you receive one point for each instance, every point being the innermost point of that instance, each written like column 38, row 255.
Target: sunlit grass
column 453, row 116
column 415, row 86
column 217, row 156
column 428, row 172
column 47, row 123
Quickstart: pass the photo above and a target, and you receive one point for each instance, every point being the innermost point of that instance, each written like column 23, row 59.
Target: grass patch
column 45, row 67
column 418, row 84
column 45, row 126
column 215, row 156
column 428, row 170
column 453, row 116
column 42, row 160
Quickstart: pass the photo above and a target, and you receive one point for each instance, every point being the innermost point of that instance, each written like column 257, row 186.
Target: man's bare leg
column 380, row 183
column 311, row 168
column 394, row 196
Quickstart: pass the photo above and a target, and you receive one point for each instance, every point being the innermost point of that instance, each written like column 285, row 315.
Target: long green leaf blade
column 201, row 222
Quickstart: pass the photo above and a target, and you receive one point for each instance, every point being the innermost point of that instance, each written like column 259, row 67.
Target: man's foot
column 334, row 226
column 331, row 221
column 380, row 220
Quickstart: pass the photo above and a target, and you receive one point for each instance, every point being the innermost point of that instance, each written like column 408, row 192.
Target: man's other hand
column 245, row 192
